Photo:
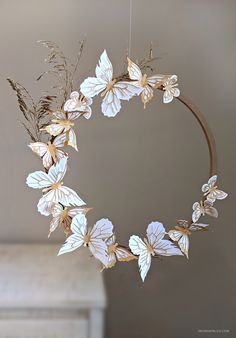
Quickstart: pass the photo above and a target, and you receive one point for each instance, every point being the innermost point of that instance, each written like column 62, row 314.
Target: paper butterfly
column 182, row 232
column 63, row 217
column 117, row 253
column 111, row 90
column 52, row 187
column 170, row 90
column 211, row 192
column 153, row 245
column 79, row 104
column 147, row 84
column 49, row 152
column 63, row 125
column 201, row 208
column 92, row 237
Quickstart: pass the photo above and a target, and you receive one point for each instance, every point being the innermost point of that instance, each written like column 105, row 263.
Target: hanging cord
column 130, row 26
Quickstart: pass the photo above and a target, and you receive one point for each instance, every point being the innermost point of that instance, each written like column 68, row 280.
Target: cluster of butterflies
column 68, row 210
column 113, row 90
column 184, row 228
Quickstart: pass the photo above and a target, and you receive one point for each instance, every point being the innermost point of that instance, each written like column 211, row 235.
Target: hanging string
column 130, row 26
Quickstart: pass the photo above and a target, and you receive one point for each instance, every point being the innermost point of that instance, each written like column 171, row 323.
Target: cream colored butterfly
column 147, row 84
column 79, row 104
column 52, row 187
column 211, row 192
column 62, row 124
column 62, row 216
column 170, row 90
column 117, row 252
column 152, row 246
column 111, row 90
column 92, row 237
column 202, row 208
column 182, row 232
column 49, row 152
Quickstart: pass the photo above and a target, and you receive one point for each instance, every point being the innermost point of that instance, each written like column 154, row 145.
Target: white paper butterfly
column 182, row 232
column 79, row 104
column 49, row 152
column 202, row 208
column 170, row 90
column 62, row 124
column 117, row 252
column 93, row 237
column 211, row 192
column 52, row 187
column 112, row 91
column 63, row 217
column 153, row 245
column 147, row 84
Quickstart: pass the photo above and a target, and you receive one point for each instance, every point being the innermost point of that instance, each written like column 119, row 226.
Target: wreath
column 50, row 124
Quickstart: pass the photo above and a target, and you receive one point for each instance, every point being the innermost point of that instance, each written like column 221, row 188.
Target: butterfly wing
column 58, row 170
column 169, row 94
column 102, row 229
column 71, row 103
column 59, row 141
column 47, row 160
column 67, row 196
column 163, row 247
column 144, row 263
column 111, row 104
column 196, row 212
column 98, row 249
column 134, row 71
column 146, row 95
column 123, row 255
column 183, row 223
column 73, row 212
column 104, row 69
column 41, row 149
column 120, row 91
column 72, row 139
column 54, row 129
column 125, row 90
column 111, row 260
column 59, row 114
column 209, row 209
column 156, row 81
column 210, row 184
column 170, row 91
column 44, row 207
column 155, row 232
column 197, row 227
column 57, row 209
column 39, row 180
column 175, row 235
column 184, row 244
column 55, row 222
column 138, row 247
column 217, row 195
column 76, row 240
column 94, row 85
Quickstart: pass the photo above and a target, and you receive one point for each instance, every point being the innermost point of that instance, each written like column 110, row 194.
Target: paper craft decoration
column 152, row 246
column 56, row 122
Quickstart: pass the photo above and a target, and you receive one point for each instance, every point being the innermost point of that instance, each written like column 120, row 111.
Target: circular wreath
column 57, row 126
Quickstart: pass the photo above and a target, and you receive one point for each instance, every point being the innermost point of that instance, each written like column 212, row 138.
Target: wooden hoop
column 206, row 130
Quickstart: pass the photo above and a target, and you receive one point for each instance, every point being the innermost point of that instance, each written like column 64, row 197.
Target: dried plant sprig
column 62, row 68
column 35, row 113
